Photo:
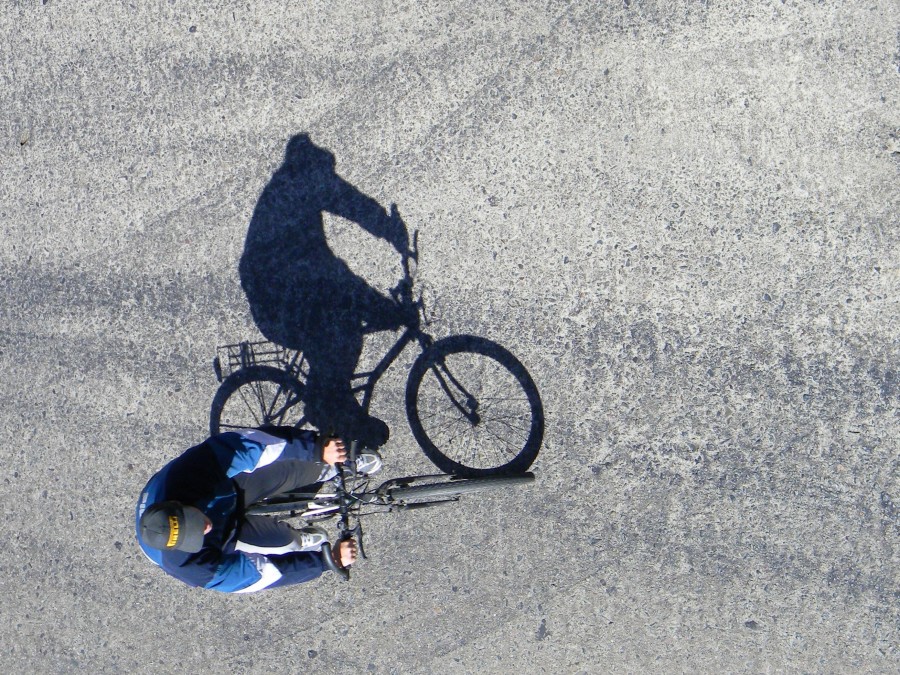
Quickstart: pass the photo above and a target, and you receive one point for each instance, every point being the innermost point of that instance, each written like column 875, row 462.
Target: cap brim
column 194, row 526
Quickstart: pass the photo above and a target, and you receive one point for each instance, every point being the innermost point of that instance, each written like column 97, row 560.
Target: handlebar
column 331, row 564
column 347, row 532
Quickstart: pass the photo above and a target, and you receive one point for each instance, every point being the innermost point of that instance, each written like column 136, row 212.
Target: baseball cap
column 173, row 526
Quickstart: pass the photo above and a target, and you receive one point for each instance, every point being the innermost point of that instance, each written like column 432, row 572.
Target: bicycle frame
column 346, row 503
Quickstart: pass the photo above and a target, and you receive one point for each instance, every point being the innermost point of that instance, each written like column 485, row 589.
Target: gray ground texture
column 682, row 217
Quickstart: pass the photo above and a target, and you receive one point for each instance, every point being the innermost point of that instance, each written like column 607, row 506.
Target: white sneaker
column 367, row 463
column 311, row 538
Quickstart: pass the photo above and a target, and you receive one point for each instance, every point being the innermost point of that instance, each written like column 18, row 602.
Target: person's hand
column 334, row 451
column 344, row 552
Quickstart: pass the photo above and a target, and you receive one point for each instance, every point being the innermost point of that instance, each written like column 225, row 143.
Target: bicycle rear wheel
column 473, row 408
column 256, row 396
column 455, row 488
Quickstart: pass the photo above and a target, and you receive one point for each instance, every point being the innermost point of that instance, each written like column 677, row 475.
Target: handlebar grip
column 329, row 562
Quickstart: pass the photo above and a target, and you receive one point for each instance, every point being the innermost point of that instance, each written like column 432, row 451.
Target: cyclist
column 190, row 518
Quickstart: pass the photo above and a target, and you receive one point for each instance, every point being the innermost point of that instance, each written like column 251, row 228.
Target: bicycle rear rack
column 232, row 358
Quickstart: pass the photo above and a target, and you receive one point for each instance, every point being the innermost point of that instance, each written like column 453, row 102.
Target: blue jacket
column 202, row 477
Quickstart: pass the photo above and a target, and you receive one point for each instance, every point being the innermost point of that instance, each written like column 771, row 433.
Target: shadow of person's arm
column 348, row 202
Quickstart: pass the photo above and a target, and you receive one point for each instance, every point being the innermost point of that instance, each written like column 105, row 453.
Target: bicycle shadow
column 303, row 297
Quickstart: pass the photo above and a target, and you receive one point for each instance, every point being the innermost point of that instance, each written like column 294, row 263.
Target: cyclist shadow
column 304, row 297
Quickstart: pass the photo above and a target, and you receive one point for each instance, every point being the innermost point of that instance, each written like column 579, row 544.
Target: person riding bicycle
column 190, row 517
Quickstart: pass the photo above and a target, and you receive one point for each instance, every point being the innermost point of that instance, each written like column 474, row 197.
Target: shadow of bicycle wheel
column 474, row 408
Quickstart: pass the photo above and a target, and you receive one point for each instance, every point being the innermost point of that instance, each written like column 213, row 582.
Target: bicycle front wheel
column 455, row 488
column 256, row 396
column 473, row 408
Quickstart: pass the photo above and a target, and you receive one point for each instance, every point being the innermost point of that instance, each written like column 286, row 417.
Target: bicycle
column 471, row 405
column 397, row 494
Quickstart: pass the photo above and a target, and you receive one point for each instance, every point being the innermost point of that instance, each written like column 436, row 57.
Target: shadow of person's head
column 302, row 154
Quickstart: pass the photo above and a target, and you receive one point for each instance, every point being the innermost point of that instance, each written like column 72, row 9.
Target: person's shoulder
column 202, row 453
column 194, row 569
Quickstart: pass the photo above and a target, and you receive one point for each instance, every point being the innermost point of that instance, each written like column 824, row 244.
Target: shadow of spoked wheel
column 473, row 408
column 256, row 396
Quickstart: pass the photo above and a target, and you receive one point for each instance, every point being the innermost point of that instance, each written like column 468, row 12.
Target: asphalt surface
column 682, row 217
